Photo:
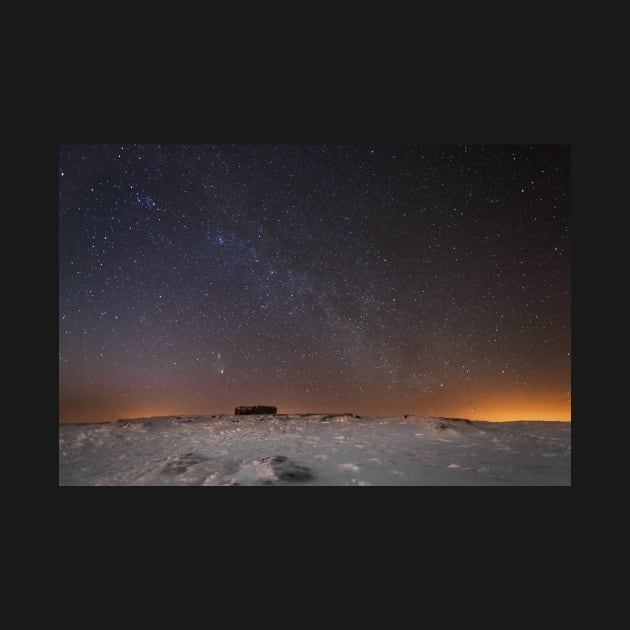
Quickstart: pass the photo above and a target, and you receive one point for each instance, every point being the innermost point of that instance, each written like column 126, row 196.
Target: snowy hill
column 314, row 449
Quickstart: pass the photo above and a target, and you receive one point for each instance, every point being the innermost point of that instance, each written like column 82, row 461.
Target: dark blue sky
column 367, row 278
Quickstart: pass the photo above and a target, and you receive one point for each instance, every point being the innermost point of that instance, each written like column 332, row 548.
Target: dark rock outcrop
column 254, row 409
column 288, row 470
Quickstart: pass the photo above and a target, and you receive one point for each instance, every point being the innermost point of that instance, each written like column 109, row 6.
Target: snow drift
column 314, row 449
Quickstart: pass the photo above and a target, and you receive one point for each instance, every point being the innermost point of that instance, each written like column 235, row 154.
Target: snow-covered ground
column 314, row 449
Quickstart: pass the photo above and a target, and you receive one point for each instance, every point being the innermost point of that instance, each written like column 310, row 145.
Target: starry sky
column 374, row 279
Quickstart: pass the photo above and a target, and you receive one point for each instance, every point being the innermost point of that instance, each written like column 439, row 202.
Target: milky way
column 364, row 278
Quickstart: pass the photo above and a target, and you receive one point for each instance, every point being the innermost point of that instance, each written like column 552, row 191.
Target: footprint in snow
column 272, row 470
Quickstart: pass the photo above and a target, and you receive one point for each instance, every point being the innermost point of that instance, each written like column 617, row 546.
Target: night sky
column 375, row 279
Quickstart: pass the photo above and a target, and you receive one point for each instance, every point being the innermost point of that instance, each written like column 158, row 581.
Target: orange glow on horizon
column 502, row 409
column 510, row 410
column 102, row 415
